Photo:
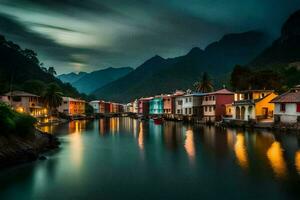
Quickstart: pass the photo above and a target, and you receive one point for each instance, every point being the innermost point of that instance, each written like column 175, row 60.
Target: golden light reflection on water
column 141, row 137
column 189, row 144
column 275, row 156
column 241, row 151
column 76, row 146
column 297, row 161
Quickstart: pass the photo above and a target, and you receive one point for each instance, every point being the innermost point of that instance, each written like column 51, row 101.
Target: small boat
column 158, row 120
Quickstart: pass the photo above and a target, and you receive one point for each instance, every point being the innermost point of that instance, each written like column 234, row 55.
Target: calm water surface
column 122, row 158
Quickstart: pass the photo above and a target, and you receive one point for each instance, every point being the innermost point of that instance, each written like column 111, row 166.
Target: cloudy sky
column 84, row 35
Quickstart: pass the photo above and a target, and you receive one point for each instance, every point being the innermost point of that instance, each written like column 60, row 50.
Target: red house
column 143, row 106
column 215, row 103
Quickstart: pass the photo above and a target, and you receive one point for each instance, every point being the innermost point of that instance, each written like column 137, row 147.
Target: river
column 123, row 158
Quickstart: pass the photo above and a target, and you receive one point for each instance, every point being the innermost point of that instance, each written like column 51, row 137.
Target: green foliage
column 34, row 86
column 12, row 122
column 53, row 96
column 89, row 109
column 205, row 85
column 243, row 78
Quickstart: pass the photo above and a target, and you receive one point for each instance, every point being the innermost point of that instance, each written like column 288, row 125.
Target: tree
column 205, row 85
column 240, row 78
column 53, row 97
column 51, row 71
column 34, row 86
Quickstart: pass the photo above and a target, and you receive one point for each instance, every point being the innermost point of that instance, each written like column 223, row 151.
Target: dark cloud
column 90, row 34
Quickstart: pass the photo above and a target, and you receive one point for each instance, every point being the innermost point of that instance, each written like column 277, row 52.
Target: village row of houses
column 248, row 105
column 32, row 104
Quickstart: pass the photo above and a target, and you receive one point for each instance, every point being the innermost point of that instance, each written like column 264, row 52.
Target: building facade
column 287, row 107
column 156, row 106
column 253, row 105
column 215, row 105
column 25, row 102
column 189, row 104
column 72, row 107
column 143, row 106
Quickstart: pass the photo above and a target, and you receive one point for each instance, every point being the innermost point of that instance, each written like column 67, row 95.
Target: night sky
column 84, row 35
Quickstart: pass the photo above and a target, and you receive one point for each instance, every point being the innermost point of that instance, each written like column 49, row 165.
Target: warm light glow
column 297, row 161
column 275, row 156
column 189, row 144
column 241, row 151
column 20, row 109
column 141, row 137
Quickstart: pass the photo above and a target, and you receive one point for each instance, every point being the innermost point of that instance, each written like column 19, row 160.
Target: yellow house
column 253, row 105
column 72, row 107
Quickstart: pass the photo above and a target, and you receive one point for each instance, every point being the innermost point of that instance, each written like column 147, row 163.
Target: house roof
column 247, row 91
column 249, row 101
column 20, row 94
column 222, row 91
column 288, row 97
column 72, row 99
column 197, row 94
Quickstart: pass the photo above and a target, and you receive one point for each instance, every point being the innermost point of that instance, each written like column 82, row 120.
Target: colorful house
column 156, row 106
column 143, row 106
column 253, row 105
column 287, row 107
column 25, row 102
column 214, row 105
column 96, row 106
column 72, row 107
column 189, row 104
column 168, row 104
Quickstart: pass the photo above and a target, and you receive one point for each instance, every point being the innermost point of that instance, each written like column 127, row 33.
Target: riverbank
column 17, row 149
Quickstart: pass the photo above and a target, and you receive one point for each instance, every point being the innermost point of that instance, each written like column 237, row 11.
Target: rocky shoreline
column 17, row 150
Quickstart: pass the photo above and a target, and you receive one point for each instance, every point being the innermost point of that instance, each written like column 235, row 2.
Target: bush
column 12, row 122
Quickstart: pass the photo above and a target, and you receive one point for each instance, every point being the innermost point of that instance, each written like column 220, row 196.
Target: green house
column 156, row 106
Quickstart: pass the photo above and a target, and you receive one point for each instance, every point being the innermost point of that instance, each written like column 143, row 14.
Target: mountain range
column 86, row 82
column 159, row 75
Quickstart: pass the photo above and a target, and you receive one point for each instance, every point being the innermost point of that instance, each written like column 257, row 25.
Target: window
column 186, row 99
column 185, row 110
column 206, row 98
column 205, row 108
column 190, row 99
column 298, row 107
column 209, row 108
column 190, row 111
column 282, row 107
column 178, row 111
column 213, row 98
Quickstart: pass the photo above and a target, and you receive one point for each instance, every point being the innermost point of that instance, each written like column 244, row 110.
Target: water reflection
column 275, row 155
column 241, row 151
column 255, row 151
column 189, row 144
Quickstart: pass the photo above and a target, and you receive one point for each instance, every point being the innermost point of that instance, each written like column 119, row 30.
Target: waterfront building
column 253, row 105
column 189, row 104
column 25, row 102
column 96, row 106
column 168, row 104
column 135, row 106
column 287, row 106
column 216, row 105
column 72, row 107
column 156, row 106
column 143, row 106
column 128, row 108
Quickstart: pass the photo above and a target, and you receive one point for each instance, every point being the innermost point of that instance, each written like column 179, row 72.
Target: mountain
column 88, row 82
column 71, row 77
column 158, row 75
column 285, row 51
column 19, row 66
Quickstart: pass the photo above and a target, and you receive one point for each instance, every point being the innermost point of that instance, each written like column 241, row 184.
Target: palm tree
column 205, row 85
column 52, row 97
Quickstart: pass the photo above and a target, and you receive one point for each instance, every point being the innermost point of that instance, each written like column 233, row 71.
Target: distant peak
column 195, row 50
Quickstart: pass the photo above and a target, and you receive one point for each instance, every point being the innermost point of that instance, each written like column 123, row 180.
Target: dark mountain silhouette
column 71, row 77
column 285, row 51
column 158, row 75
column 89, row 81
column 18, row 66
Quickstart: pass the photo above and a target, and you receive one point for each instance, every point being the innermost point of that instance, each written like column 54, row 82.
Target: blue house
column 156, row 106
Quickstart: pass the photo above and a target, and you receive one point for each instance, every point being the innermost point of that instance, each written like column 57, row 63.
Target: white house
column 287, row 106
column 25, row 102
column 189, row 104
column 96, row 106
column 135, row 106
